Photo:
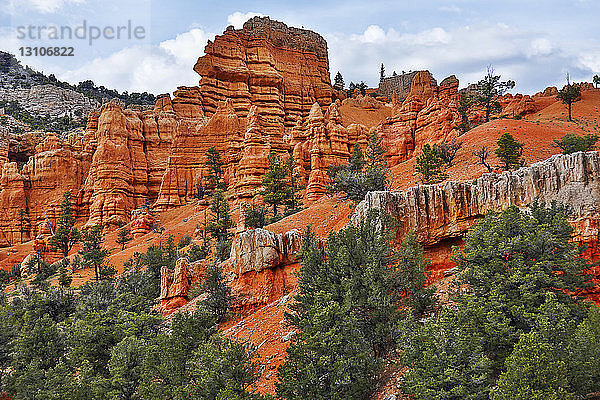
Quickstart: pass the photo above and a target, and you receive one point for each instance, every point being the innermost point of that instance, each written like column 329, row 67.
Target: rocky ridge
column 50, row 100
column 444, row 212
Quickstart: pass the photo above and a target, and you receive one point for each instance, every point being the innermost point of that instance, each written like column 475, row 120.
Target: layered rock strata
column 261, row 266
column 259, row 270
column 280, row 69
column 444, row 212
column 427, row 115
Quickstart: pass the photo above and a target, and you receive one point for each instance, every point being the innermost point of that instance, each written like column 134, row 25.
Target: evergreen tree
column 214, row 164
column 596, row 80
column 509, row 151
column 339, row 81
column 126, row 368
column 255, row 216
column 375, row 150
column 488, row 90
column 569, row 95
column 412, row 271
column 64, row 279
column 42, row 269
column 66, row 234
column 156, row 257
column 293, row 201
column 362, row 87
column 350, row 91
column 219, row 294
column 220, row 222
column 381, row 73
column 519, row 273
column 571, row 143
column 92, row 252
column 430, row 165
column 222, row 369
column 276, row 190
column 584, row 354
column 357, row 162
column 465, row 103
column 346, row 311
column 361, row 176
column 22, row 215
column 123, row 237
column 533, row 371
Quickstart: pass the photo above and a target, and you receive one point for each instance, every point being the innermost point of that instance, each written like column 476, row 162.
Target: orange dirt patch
column 266, row 329
column 328, row 214
column 537, row 136
column 368, row 117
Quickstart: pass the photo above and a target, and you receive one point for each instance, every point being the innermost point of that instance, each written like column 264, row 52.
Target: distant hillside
column 43, row 102
column 14, row 75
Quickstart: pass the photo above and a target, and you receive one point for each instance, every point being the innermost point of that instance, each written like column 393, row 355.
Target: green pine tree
column 518, row 273
column 92, row 252
column 533, row 371
column 465, row 103
column 568, row 95
column 123, row 237
column 66, row 234
column 509, row 151
column 488, row 90
column 338, row 81
column 571, row 143
column 220, row 222
column 22, row 215
column 64, row 279
column 430, row 165
column 357, row 162
column 276, row 190
column 219, row 294
column 362, row 174
column 346, row 311
column 214, row 163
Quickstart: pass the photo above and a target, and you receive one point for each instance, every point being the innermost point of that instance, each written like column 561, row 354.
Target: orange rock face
column 37, row 189
column 263, row 88
column 261, row 267
column 175, row 284
column 280, row 69
column 427, row 115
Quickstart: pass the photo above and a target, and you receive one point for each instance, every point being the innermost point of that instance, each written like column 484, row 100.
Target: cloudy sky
column 533, row 42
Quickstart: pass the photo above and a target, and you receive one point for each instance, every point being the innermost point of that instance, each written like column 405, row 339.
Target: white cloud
column 238, row 18
column 373, row 34
column 42, row 6
column 590, row 61
column 158, row 69
column 188, row 46
column 530, row 58
column 540, row 47
column 453, row 8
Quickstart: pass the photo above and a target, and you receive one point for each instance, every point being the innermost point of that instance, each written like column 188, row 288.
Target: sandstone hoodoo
column 427, row 115
column 260, row 269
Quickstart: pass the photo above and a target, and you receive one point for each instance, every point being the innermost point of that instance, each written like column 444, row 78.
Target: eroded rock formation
column 259, row 270
column 260, row 266
column 280, row 69
column 427, row 115
column 175, row 284
column 444, row 212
